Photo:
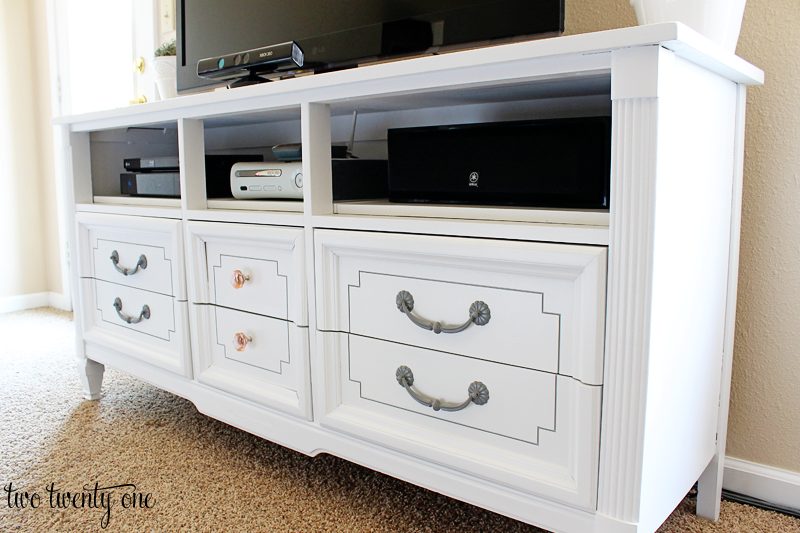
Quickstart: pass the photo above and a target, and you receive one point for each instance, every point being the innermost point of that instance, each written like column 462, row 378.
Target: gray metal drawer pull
column 478, row 393
column 129, row 319
column 479, row 314
column 142, row 263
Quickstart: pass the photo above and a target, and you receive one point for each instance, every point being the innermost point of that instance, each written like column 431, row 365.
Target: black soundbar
column 554, row 163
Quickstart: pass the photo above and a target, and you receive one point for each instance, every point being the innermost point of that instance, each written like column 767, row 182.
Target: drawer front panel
column 537, row 432
column 160, row 337
column 270, row 367
column 516, row 320
column 144, row 253
column 258, row 269
column 247, row 283
column 543, row 305
column 159, row 321
column 257, row 342
column 155, row 277
column 520, row 404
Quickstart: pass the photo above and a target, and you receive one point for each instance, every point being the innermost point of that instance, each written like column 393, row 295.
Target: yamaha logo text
column 473, row 179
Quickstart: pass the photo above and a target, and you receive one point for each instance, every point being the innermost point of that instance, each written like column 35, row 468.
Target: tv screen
column 343, row 33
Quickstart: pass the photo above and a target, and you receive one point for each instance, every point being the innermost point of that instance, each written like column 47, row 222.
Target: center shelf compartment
column 565, row 96
column 251, row 134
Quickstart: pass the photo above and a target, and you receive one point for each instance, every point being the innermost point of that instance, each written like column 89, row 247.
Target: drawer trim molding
column 584, row 266
column 287, row 241
column 428, row 414
column 151, row 233
column 284, row 277
column 574, row 483
column 281, row 362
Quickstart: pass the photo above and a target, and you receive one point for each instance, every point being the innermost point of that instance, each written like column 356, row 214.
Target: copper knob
column 238, row 279
column 240, row 341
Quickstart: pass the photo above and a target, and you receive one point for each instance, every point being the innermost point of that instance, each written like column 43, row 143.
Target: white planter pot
column 166, row 76
column 719, row 20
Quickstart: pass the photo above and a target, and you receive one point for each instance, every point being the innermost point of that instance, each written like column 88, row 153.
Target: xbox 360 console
column 353, row 179
column 554, row 163
column 218, row 170
column 275, row 179
column 163, row 184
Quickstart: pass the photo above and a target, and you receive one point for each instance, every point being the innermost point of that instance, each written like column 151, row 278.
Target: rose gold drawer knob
column 240, row 341
column 238, row 279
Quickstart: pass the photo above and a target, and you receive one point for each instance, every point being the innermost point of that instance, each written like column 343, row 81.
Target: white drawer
column 143, row 312
column 512, row 394
column 268, row 261
column 139, row 252
column 545, row 301
column 146, row 325
column 251, row 343
column 247, row 283
column 269, row 367
column 537, row 432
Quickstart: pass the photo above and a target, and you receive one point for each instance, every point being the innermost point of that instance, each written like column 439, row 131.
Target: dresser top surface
column 586, row 54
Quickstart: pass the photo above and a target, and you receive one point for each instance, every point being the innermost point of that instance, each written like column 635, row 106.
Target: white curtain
column 29, row 242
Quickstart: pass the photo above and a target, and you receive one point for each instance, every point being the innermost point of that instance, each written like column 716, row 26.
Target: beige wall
column 765, row 398
column 764, row 424
column 28, row 217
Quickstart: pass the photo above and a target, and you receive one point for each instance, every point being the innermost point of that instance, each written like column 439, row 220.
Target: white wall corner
column 766, row 483
column 60, row 301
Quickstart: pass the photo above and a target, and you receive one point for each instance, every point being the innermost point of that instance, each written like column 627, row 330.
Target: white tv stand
column 606, row 356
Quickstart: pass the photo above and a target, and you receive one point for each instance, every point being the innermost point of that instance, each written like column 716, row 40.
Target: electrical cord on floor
column 761, row 504
column 735, row 497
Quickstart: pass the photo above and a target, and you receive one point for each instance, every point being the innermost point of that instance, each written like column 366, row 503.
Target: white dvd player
column 280, row 180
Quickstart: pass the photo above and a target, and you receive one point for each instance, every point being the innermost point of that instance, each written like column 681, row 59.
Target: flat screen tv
column 336, row 34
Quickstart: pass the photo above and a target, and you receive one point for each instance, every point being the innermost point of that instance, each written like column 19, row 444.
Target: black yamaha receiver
column 555, row 163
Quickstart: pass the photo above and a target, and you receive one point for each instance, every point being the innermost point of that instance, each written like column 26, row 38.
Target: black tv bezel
column 188, row 81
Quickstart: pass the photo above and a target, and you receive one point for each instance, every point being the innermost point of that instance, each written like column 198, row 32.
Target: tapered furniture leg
column 91, row 375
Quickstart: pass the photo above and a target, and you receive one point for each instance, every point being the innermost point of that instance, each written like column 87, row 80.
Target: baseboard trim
column 60, row 301
column 772, row 485
column 10, row 304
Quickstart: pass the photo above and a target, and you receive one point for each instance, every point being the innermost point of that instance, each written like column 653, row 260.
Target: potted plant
column 165, row 70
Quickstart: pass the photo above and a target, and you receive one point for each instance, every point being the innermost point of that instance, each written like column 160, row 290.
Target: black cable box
column 152, row 164
column 359, row 179
column 218, row 169
column 158, row 184
column 554, row 163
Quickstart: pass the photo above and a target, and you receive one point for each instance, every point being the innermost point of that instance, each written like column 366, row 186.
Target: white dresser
column 569, row 369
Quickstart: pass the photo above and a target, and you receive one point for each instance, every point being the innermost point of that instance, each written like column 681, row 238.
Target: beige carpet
column 203, row 475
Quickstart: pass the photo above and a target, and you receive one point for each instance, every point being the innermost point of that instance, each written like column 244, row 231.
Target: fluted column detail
column 630, row 265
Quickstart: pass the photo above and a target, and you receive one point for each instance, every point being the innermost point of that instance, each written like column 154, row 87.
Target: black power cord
column 736, row 497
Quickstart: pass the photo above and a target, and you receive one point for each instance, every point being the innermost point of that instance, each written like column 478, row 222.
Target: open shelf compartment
column 575, row 95
column 109, row 148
